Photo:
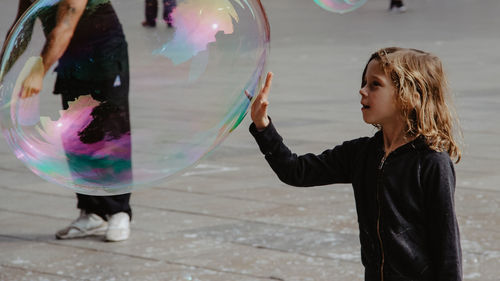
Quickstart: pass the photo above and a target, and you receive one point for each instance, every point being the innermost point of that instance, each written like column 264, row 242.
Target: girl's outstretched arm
column 306, row 170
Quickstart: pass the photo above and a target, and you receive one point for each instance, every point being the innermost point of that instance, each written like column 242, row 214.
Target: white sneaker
column 85, row 225
column 119, row 227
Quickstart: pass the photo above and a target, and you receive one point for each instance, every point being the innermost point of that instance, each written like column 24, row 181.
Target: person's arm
column 22, row 7
column 68, row 15
column 439, row 181
column 20, row 44
column 331, row 166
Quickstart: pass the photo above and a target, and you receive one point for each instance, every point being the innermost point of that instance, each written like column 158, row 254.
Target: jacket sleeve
column 439, row 180
column 329, row 167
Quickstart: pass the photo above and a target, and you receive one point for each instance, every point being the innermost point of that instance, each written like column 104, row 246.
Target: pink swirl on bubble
column 197, row 22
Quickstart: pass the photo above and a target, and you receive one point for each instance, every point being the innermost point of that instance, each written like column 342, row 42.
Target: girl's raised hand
column 259, row 106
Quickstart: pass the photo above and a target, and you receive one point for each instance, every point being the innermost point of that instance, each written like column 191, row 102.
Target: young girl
column 403, row 177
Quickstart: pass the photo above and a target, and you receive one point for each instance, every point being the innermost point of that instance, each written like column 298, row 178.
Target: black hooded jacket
column 405, row 202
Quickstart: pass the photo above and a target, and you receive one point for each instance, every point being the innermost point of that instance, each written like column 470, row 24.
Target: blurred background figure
column 92, row 59
column 152, row 12
column 397, row 6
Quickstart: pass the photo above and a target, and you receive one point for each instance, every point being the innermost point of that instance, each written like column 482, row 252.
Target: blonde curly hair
column 423, row 97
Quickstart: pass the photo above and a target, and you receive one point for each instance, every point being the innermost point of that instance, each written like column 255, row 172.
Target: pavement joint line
column 481, row 253
column 231, row 242
column 33, row 191
column 166, row 261
column 476, row 157
column 189, row 213
column 3, row 169
column 233, row 218
column 212, row 215
column 190, row 265
column 221, row 195
column 218, row 216
column 485, row 190
column 60, row 244
column 36, row 271
column 30, row 214
column 298, row 253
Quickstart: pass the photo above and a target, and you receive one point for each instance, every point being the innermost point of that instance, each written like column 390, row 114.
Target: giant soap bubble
column 140, row 104
column 340, row 6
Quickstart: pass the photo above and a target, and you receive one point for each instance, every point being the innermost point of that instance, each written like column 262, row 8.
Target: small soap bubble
column 340, row 6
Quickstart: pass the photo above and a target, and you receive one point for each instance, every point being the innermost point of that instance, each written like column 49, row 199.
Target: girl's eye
column 375, row 83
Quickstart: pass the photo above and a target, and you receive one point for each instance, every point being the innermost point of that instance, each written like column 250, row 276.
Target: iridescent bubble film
column 340, row 6
column 128, row 106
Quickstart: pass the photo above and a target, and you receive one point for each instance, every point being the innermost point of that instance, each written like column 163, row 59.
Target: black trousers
column 152, row 10
column 106, row 92
column 104, row 205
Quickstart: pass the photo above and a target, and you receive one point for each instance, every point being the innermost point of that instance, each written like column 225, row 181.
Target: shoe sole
column 93, row 232
column 118, row 239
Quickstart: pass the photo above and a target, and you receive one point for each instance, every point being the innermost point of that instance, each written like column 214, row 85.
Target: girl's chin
column 368, row 121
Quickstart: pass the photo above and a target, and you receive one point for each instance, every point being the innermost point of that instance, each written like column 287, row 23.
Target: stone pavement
column 230, row 218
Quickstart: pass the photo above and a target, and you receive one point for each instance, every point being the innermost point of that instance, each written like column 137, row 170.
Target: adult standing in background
column 151, row 7
column 86, row 38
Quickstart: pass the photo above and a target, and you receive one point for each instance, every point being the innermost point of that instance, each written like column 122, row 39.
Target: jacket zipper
column 381, row 166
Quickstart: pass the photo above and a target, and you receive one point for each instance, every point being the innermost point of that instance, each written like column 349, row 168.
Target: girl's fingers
column 262, row 109
column 264, row 106
column 260, row 103
column 267, row 85
column 264, row 92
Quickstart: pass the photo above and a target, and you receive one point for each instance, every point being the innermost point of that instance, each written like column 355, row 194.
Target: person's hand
column 259, row 106
column 33, row 83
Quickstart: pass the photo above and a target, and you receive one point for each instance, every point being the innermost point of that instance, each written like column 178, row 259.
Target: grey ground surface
column 230, row 218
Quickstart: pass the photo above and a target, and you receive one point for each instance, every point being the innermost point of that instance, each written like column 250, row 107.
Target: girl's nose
column 362, row 91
